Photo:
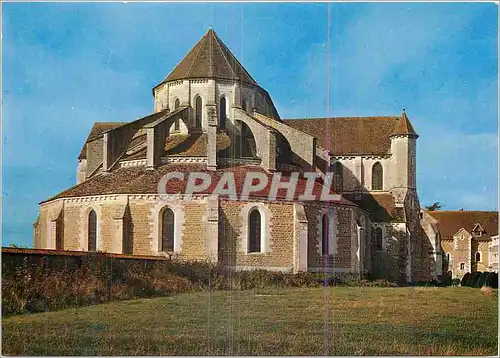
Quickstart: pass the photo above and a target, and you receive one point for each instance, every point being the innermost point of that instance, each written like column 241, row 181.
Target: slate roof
column 354, row 135
column 450, row 222
column 380, row 206
column 139, row 180
column 210, row 58
column 97, row 130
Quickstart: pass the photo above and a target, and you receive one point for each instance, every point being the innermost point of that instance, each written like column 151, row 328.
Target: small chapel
column 211, row 116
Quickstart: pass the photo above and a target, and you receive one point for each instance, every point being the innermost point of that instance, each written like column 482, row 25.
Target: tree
column 481, row 280
column 436, row 206
column 492, row 280
column 474, row 278
column 465, row 279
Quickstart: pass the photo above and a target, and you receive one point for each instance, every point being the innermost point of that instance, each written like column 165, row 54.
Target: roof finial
column 404, row 109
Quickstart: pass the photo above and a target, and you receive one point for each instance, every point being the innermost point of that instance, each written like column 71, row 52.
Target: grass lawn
column 354, row 321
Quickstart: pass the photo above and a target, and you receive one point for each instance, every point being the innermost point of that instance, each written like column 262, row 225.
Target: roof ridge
column 196, row 57
column 342, row 117
column 108, row 123
column 235, row 58
column 224, row 55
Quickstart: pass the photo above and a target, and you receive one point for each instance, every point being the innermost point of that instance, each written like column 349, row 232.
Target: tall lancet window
column 377, row 176
column 199, row 109
column 222, row 113
column 177, row 124
column 254, row 231
column 59, row 233
column 92, row 231
column 324, row 235
column 337, row 177
column 167, row 230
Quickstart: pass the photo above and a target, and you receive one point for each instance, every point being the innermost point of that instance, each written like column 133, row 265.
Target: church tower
column 210, row 83
column 403, row 149
column 403, row 183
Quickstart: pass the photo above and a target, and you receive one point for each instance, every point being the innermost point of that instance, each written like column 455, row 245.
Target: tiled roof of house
column 380, row 206
column 450, row 222
column 210, row 58
column 354, row 135
column 139, row 180
column 97, row 130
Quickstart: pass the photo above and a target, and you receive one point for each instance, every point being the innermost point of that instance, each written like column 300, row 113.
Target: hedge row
column 479, row 279
column 43, row 286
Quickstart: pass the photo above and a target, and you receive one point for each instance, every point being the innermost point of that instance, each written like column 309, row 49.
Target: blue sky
column 68, row 65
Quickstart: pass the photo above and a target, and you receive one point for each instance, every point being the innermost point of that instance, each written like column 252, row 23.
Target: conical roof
column 404, row 127
column 210, row 58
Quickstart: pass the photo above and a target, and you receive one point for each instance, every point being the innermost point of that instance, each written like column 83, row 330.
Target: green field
column 308, row 321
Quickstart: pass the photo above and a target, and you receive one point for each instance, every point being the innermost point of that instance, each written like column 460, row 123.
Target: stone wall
column 387, row 262
column 350, row 253
column 483, row 248
column 133, row 222
column 461, row 253
column 278, row 238
column 211, row 91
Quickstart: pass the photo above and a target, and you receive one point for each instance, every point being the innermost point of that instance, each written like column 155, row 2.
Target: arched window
column 324, row 235
column 92, row 231
column 478, row 256
column 199, row 109
column 244, row 105
column 337, row 170
column 222, row 113
column 167, row 230
column 127, row 244
column 448, row 257
column 177, row 124
column 378, row 238
column 59, row 234
column 377, row 176
column 254, row 231
column 462, row 266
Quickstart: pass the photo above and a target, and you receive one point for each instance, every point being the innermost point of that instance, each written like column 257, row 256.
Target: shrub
column 465, row 279
column 492, row 280
column 446, row 280
column 61, row 282
column 481, row 280
column 474, row 278
column 455, row 282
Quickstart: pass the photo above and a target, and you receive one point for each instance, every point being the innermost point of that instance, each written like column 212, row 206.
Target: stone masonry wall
column 232, row 233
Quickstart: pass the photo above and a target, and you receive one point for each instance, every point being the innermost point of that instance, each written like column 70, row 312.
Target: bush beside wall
column 52, row 282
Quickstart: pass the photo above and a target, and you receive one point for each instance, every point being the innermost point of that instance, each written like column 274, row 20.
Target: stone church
column 211, row 116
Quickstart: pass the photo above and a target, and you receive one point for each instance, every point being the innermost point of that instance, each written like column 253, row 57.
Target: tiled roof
column 450, row 222
column 354, row 135
column 97, row 130
column 349, row 135
column 404, row 127
column 139, row 180
column 380, row 206
column 210, row 58
column 186, row 145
